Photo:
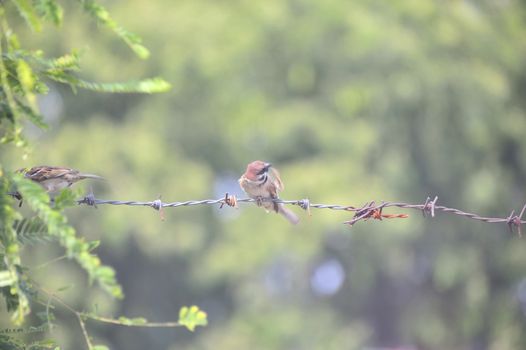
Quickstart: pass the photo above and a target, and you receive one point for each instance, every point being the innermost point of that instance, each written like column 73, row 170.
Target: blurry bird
column 261, row 181
column 52, row 178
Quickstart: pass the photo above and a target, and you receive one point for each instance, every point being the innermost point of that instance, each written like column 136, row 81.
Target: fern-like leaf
column 76, row 247
column 30, row 114
column 31, row 231
column 50, row 10
column 149, row 86
column 27, row 11
column 102, row 16
column 70, row 61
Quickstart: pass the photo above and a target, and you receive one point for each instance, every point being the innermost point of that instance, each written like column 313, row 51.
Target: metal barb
column 305, row 205
column 158, row 205
column 229, row 200
column 424, row 207
column 429, row 207
column 362, row 213
column 516, row 221
column 89, row 199
column 433, row 203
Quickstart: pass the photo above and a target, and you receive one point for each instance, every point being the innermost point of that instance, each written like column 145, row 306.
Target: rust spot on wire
column 229, row 200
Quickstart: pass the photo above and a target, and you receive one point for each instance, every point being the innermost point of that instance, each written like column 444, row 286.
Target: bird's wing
column 276, row 180
column 42, row 173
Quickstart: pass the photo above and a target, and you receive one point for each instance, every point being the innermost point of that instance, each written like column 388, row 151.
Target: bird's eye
column 265, row 168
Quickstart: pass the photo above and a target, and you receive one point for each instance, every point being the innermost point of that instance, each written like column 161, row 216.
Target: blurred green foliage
column 22, row 74
column 352, row 101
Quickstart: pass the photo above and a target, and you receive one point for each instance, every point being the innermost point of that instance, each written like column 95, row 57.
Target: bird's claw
column 259, row 201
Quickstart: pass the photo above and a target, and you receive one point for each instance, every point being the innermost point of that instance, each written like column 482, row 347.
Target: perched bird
column 261, row 181
column 54, row 178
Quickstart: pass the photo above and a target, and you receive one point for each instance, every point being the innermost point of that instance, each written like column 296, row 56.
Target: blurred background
column 352, row 101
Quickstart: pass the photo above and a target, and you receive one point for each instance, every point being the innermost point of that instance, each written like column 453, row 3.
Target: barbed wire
column 370, row 210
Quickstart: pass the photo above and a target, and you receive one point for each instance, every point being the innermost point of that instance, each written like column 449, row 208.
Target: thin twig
column 44, row 264
column 52, row 295
column 121, row 323
column 83, row 316
column 84, row 331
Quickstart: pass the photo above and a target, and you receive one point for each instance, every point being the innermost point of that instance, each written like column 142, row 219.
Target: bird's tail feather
column 288, row 214
column 91, row 176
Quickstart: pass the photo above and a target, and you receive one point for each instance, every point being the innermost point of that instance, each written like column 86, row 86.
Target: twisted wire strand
column 367, row 211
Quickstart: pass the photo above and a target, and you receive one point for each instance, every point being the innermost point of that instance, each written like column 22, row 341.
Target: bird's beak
column 265, row 168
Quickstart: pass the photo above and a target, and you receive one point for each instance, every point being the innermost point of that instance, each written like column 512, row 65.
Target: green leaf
column 47, row 316
column 99, row 347
column 10, row 343
column 33, row 117
column 191, row 317
column 93, row 245
column 102, row 16
column 66, row 198
column 69, row 61
column 148, row 86
column 25, row 76
column 15, row 293
column 50, row 10
column 11, row 299
column 32, row 230
column 43, row 344
column 76, row 248
column 27, row 11
column 64, row 288
column 31, row 191
column 12, row 41
column 6, row 278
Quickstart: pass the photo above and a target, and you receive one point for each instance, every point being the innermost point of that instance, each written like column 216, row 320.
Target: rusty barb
column 516, row 221
column 369, row 210
column 372, row 211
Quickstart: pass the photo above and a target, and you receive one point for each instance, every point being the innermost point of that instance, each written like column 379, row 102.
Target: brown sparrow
column 54, row 178
column 261, row 181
